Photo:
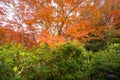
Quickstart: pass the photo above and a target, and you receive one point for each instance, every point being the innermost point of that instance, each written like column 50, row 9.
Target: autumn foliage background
column 35, row 23
column 57, row 21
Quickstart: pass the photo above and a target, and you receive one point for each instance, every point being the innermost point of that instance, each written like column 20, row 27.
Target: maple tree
column 30, row 29
column 62, row 19
column 7, row 35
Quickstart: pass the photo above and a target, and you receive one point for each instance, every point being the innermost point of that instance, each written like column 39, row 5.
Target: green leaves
column 107, row 60
column 65, row 61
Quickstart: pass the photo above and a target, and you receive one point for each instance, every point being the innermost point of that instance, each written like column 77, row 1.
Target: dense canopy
column 59, row 39
column 57, row 21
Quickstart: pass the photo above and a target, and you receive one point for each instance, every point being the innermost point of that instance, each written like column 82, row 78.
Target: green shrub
column 69, row 61
column 107, row 60
column 72, row 62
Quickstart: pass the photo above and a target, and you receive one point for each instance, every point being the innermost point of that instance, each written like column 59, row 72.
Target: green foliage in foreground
column 70, row 61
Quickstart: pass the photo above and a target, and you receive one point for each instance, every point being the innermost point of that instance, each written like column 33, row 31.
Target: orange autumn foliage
column 32, row 22
column 51, row 40
column 80, row 31
column 7, row 36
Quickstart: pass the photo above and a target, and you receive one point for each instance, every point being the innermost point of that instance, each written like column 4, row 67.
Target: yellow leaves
column 15, row 68
column 22, row 54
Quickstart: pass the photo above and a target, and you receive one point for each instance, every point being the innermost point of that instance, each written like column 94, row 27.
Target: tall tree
column 69, row 19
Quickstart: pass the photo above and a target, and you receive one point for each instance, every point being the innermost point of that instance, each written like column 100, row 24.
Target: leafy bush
column 72, row 62
column 64, row 62
column 107, row 60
